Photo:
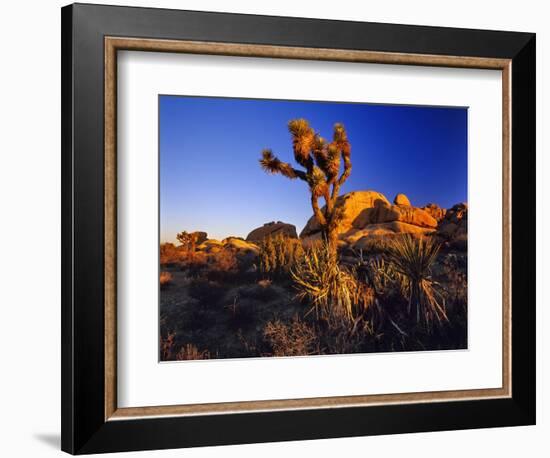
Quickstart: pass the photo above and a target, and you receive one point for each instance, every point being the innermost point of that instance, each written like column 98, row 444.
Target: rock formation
column 272, row 228
column 454, row 226
column 435, row 211
column 368, row 214
column 401, row 199
column 352, row 203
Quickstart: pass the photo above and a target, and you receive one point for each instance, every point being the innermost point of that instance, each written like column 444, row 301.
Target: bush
column 165, row 279
column 334, row 290
column 294, row 339
column 223, row 262
column 278, row 254
column 456, row 284
column 413, row 259
column 167, row 346
column 170, row 254
column 191, row 352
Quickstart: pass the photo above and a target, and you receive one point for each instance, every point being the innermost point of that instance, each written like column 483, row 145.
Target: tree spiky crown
column 322, row 163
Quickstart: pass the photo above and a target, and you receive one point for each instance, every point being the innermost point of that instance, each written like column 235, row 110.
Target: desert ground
column 396, row 281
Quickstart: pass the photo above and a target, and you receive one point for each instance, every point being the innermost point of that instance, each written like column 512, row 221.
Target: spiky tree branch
column 322, row 164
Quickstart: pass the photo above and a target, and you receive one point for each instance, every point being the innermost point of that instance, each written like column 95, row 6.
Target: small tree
column 321, row 161
column 188, row 240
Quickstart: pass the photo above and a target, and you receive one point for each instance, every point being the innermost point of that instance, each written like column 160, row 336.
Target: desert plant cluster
column 376, row 278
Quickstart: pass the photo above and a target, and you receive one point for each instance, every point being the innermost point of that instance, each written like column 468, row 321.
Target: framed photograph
column 281, row 228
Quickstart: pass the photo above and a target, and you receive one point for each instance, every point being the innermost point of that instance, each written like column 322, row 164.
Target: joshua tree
column 321, row 161
column 188, row 240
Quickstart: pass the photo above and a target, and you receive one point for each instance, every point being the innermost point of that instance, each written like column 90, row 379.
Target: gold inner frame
column 114, row 44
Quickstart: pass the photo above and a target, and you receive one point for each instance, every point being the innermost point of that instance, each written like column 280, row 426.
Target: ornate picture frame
column 92, row 37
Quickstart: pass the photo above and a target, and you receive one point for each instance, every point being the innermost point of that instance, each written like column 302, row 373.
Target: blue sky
column 210, row 178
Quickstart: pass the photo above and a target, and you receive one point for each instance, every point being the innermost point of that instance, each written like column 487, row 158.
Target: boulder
column 358, row 238
column 457, row 213
column 353, row 203
column 210, row 245
column 240, row 245
column 435, row 211
column 401, row 199
column 273, row 228
column 386, row 213
column 368, row 215
column 454, row 226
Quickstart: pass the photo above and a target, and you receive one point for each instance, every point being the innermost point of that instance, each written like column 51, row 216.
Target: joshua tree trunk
column 321, row 161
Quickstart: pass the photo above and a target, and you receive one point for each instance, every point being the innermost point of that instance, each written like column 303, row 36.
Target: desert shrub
column 456, row 284
column 170, row 254
column 207, row 292
column 278, row 254
column 334, row 290
column 413, row 258
column 166, row 346
column 343, row 338
column 190, row 352
column 194, row 262
column 296, row 338
column 165, row 279
column 224, row 261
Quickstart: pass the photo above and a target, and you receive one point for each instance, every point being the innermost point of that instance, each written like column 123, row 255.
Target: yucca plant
column 413, row 259
column 333, row 290
column 321, row 163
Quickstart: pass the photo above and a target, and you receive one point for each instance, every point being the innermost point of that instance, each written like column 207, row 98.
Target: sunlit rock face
column 368, row 214
column 270, row 229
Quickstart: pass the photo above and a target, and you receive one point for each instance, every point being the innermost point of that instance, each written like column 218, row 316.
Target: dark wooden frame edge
column 84, row 429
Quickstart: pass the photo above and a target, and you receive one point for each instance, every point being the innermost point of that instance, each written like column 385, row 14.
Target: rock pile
column 368, row 214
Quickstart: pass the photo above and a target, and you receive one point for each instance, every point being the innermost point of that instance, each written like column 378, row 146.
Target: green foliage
column 334, row 290
column 413, row 258
column 278, row 254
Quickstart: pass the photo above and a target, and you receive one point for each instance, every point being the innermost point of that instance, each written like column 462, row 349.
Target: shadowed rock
column 273, row 228
column 435, row 211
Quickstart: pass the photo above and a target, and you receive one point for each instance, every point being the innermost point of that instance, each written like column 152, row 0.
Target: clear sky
column 210, row 178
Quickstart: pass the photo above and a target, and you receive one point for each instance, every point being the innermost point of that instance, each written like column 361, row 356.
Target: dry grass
column 191, row 352
column 296, row 338
column 334, row 290
column 413, row 259
column 167, row 346
column 165, row 279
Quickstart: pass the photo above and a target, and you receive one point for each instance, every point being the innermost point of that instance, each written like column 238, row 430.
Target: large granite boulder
column 353, row 204
column 386, row 213
column 360, row 238
column 402, row 199
column 240, row 245
column 435, row 211
column 270, row 229
column 368, row 214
